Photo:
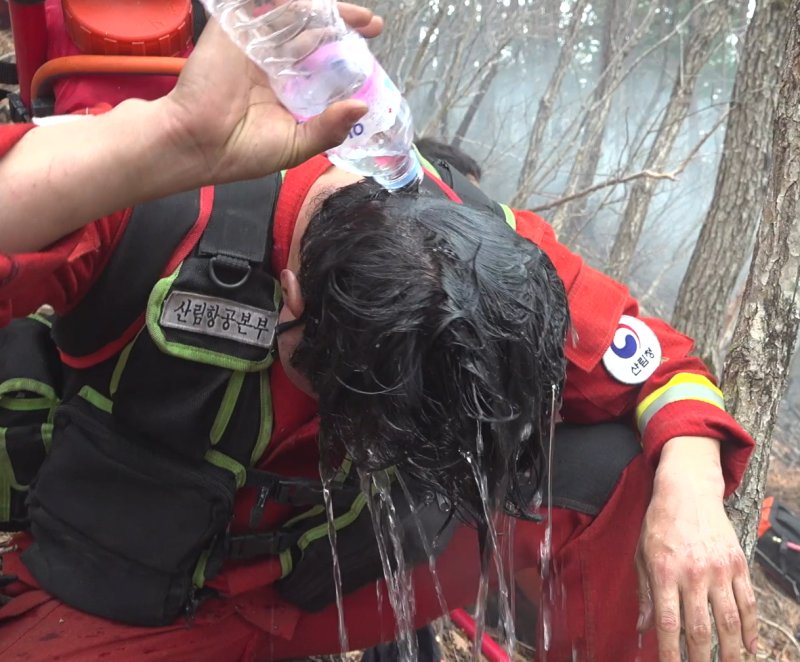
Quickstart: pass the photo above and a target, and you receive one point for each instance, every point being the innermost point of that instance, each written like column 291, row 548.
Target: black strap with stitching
column 153, row 234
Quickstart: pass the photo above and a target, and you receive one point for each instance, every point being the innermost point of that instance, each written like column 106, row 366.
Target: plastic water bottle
column 313, row 59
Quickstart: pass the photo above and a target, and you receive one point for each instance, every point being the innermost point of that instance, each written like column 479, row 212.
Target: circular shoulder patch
column 635, row 352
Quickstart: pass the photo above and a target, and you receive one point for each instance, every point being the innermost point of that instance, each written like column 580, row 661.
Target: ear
column 292, row 294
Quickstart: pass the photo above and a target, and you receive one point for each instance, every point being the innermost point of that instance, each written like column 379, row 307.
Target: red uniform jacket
column 62, row 273
column 679, row 398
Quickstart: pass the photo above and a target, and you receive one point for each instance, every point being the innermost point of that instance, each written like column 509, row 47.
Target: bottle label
column 383, row 99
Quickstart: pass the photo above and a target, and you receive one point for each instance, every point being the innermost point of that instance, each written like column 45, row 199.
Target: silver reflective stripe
column 684, row 391
column 223, row 318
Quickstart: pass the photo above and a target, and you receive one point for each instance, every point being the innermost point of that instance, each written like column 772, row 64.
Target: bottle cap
column 129, row 27
column 414, row 174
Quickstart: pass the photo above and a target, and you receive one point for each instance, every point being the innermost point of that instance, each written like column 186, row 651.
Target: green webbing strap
column 96, row 398
column 30, row 385
column 25, row 404
column 317, row 532
column 7, row 479
column 265, row 427
column 226, row 407
column 199, row 575
column 343, row 520
column 229, row 464
column 122, row 361
column 47, row 435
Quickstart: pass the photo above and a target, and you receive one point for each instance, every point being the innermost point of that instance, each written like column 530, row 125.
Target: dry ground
column 779, row 615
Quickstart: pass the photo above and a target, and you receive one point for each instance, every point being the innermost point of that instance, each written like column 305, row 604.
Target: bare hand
column 689, row 557
column 224, row 115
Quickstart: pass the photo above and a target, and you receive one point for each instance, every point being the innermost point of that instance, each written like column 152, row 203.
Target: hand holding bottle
column 314, row 61
column 224, row 114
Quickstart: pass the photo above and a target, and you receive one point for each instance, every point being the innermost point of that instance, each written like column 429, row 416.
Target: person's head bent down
column 432, row 335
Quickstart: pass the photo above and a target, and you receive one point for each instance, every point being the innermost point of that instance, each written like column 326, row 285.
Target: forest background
column 644, row 131
column 655, row 136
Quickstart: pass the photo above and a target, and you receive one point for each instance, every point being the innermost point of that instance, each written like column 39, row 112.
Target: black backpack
column 778, row 547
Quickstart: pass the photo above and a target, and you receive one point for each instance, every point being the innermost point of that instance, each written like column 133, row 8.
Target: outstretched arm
column 622, row 364
column 221, row 123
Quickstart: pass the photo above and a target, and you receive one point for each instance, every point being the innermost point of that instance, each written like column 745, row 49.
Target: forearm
column 60, row 177
column 691, row 461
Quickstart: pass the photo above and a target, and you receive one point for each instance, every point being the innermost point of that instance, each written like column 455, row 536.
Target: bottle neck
column 407, row 170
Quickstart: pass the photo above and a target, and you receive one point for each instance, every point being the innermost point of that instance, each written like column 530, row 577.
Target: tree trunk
column 704, row 27
column 583, row 170
column 466, row 121
column 545, row 110
column 756, row 369
column 412, row 78
column 732, row 218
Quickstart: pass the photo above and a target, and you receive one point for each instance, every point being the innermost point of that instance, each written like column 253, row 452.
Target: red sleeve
column 61, row 273
column 680, row 398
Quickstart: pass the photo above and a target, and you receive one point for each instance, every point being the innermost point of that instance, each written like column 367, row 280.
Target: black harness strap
column 236, row 237
column 298, row 491
column 471, row 195
column 239, row 234
column 255, row 545
column 120, row 294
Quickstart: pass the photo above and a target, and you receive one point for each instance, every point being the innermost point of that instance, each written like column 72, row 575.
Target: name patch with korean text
column 213, row 316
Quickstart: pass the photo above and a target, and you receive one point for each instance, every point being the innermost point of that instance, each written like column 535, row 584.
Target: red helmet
column 73, row 55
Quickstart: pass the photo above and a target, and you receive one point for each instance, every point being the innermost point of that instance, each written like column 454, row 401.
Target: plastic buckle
column 257, row 511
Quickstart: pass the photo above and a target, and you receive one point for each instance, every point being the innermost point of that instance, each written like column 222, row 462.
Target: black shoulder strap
column 242, row 213
column 239, row 233
column 470, row 195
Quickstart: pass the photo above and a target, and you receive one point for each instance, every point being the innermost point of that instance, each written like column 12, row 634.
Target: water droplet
column 327, row 476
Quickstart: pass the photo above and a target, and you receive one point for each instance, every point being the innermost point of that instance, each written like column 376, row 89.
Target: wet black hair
column 434, row 150
column 434, row 337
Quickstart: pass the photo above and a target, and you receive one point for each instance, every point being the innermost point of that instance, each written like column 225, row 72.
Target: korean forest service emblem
column 635, row 352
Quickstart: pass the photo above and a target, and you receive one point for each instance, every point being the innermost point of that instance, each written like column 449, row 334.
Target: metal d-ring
column 231, row 264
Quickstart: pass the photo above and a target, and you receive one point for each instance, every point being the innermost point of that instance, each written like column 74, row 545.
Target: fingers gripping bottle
column 313, row 59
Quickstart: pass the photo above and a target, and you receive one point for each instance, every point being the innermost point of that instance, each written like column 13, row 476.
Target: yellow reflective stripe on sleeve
column 510, row 218
column 683, row 386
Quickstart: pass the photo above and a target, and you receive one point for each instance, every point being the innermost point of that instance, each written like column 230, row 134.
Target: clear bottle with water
column 313, row 59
